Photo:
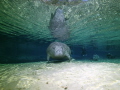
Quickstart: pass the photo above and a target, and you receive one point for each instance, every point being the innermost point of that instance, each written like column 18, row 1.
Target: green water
column 24, row 37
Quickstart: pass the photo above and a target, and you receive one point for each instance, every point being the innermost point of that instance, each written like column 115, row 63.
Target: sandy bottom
column 75, row 75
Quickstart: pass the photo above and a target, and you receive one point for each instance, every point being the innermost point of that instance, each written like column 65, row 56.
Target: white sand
column 76, row 75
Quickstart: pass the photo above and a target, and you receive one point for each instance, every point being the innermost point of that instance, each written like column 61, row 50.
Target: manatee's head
column 59, row 14
column 59, row 10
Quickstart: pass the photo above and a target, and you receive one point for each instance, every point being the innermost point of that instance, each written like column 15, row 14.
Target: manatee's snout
column 59, row 13
column 58, row 51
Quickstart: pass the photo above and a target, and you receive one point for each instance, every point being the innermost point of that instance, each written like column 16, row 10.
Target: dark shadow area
column 22, row 50
column 57, row 61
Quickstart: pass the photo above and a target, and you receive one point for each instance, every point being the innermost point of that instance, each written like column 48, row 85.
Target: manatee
column 59, row 51
column 58, row 26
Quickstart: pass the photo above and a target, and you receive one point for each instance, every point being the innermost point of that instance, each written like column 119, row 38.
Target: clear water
column 24, row 37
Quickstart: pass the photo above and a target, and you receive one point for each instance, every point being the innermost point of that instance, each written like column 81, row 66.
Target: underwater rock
column 95, row 57
column 58, row 26
column 58, row 50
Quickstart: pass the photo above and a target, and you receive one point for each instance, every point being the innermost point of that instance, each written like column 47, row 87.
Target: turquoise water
column 93, row 35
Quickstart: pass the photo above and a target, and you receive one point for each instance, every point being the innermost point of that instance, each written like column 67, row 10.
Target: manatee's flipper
column 66, row 19
column 52, row 15
column 48, row 57
column 48, row 27
column 68, row 56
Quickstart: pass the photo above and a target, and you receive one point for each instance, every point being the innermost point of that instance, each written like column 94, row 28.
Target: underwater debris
column 110, row 56
column 95, row 57
column 83, row 53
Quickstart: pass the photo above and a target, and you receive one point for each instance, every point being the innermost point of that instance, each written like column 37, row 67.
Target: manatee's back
column 58, row 26
column 57, row 19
